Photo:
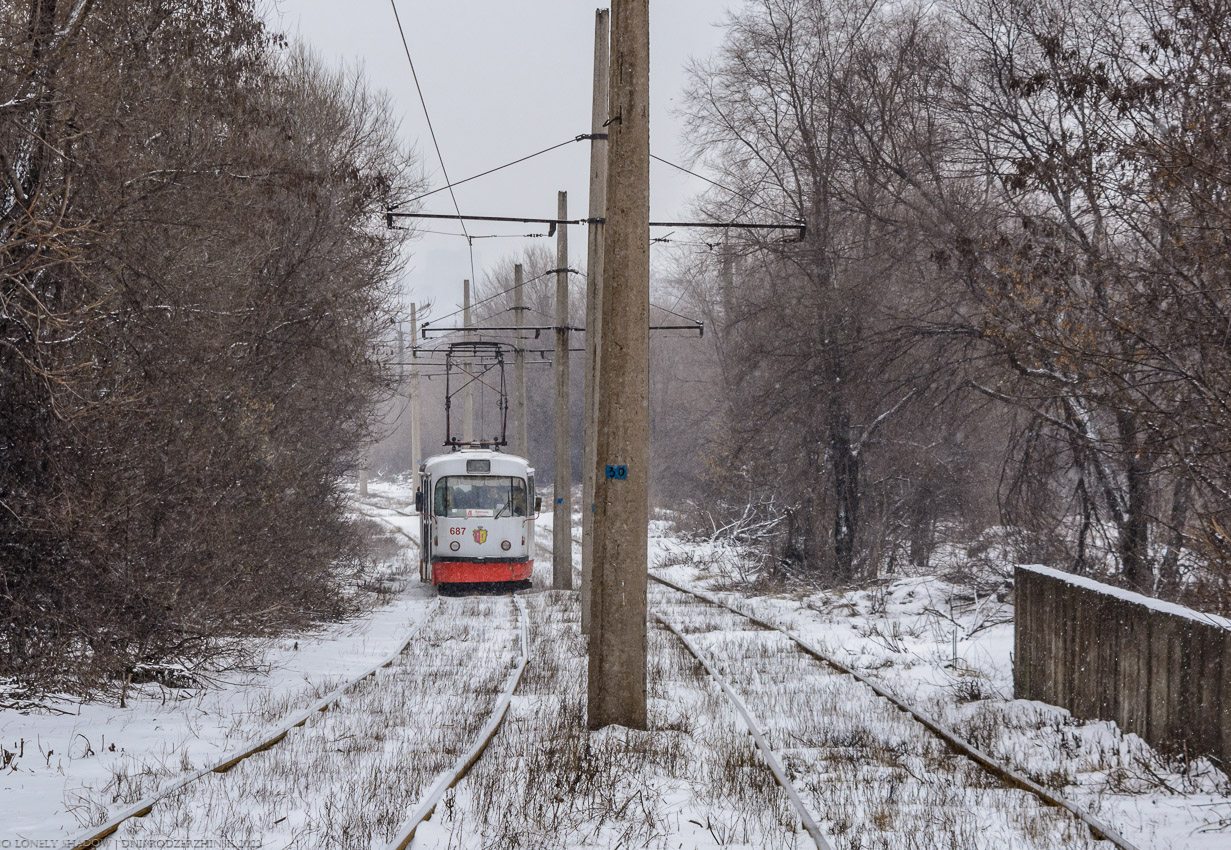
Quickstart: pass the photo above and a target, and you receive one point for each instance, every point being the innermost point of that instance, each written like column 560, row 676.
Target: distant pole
column 468, row 422
column 520, row 445
column 726, row 280
column 594, row 276
column 617, row 682
column 562, row 518
column 363, row 474
column 416, row 454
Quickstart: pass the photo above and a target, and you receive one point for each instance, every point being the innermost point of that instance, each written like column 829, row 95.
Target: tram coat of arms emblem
column 480, row 535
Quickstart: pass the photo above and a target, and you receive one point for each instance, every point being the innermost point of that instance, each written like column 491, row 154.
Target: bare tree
column 817, row 341
column 201, row 373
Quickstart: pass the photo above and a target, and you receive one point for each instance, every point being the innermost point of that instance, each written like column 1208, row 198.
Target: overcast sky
column 502, row 79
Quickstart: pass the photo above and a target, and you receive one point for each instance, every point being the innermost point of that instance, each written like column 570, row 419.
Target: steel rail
column 767, row 752
column 95, row 835
column 1098, row 829
column 427, row 804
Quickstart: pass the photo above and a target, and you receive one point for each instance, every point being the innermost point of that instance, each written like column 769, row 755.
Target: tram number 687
column 457, row 531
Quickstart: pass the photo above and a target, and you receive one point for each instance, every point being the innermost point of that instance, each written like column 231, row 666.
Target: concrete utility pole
column 520, row 440
column 468, row 422
column 594, row 277
column 617, row 683
column 562, row 519
column 416, row 453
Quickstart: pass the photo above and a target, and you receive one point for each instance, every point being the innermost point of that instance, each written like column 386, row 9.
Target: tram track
column 271, row 737
column 772, row 761
column 410, row 735
column 449, row 778
column 414, row 541
column 1012, row 779
column 1006, row 776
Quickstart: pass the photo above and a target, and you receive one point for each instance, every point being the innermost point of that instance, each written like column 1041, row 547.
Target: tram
column 477, row 508
column 476, row 504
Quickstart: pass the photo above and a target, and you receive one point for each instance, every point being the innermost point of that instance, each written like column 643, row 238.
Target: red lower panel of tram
column 450, row 572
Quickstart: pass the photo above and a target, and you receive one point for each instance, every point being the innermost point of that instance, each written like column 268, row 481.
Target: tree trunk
column 1134, row 541
column 1181, row 501
column 922, row 526
column 845, row 464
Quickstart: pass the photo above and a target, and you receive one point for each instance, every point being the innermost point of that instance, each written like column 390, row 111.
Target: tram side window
column 459, row 496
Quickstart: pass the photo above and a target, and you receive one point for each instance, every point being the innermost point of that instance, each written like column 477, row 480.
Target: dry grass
column 873, row 776
column 347, row 778
column 546, row 782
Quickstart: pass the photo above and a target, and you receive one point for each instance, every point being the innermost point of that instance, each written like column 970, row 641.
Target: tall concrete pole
column 416, row 449
column 617, row 682
column 468, row 421
column 562, row 519
column 520, row 440
column 594, row 276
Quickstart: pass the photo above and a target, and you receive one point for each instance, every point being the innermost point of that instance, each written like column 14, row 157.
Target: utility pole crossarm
column 390, row 215
column 695, row 326
column 800, row 226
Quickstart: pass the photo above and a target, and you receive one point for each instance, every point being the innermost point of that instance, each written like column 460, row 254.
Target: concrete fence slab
column 1157, row 669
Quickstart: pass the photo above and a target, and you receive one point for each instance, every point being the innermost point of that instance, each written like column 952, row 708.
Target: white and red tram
column 477, row 510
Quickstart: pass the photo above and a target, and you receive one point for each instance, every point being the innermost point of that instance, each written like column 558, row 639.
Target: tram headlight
column 506, row 545
column 454, row 546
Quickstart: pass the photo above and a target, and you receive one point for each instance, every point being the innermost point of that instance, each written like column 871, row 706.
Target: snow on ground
column 350, row 775
column 393, row 493
column 947, row 649
column 872, row 774
column 73, row 761
column 693, row 781
column 873, row 777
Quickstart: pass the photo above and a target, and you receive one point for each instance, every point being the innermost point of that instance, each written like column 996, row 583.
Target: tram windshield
column 493, row 496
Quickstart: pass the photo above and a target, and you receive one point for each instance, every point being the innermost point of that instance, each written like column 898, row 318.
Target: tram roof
column 462, row 462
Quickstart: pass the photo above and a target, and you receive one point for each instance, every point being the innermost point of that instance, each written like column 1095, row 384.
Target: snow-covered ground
column 72, row 762
column 947, row 649
column 350, row 775
column 872, row 777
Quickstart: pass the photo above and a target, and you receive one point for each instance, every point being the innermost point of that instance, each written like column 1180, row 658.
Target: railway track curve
column 1002, row 773
column 95, row 835
column 1098, row 829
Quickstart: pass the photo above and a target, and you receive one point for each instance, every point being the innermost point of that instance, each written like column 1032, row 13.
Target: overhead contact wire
column 450, row 186
column 737, row 194
column 490, row 298
column 432, row 131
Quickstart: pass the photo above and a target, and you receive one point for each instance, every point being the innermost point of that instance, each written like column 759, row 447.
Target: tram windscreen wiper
column 507, row 505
